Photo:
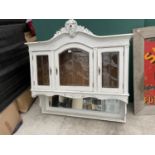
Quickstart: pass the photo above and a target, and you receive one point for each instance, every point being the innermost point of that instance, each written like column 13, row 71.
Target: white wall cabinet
column 79, row 65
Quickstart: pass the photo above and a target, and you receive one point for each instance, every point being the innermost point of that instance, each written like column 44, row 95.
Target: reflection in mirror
column 90, row 104
column 43, row 70
column 59, row 101
column 74, row 67
column 110, row 69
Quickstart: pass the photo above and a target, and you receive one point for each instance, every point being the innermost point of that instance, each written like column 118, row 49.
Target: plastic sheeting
column 14, row 62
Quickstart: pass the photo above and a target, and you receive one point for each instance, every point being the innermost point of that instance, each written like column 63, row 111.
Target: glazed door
column 74, row 68
column 110, row 70
column 43, row 71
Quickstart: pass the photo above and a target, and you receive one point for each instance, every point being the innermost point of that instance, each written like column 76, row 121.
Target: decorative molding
column 71, row 28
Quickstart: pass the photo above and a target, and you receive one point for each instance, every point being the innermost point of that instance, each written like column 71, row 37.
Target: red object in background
column 149, row 71
column 30, row 26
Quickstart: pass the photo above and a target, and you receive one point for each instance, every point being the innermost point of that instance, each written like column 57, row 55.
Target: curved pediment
column 74, row 33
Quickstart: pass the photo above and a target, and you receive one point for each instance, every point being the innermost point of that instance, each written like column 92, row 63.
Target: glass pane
column 89, row 104
column 149, row 71
column 74, row 67
column 110, row 70
column 43, row 70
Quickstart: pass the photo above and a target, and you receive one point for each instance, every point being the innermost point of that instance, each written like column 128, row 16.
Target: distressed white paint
column 75, row 36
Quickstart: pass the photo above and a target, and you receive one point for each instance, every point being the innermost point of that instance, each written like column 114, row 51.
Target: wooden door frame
column 42, row 87
column 140, row 34
column 120, row 50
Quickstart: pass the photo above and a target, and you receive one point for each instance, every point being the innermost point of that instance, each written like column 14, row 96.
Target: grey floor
column 36, row 123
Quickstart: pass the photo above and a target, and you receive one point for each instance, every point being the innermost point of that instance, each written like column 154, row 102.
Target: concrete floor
column 36, row 123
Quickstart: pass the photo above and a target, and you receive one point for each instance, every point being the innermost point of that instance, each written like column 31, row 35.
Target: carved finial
column 71, row 27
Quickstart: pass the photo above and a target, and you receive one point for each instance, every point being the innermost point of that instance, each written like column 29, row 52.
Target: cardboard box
column 24, row 101
column 10, row 119
column 29, row 37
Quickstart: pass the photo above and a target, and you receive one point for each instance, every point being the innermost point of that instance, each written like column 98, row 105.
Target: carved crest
column 71, row 27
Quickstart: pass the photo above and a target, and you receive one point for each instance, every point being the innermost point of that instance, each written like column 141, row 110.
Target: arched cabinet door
column 74, row 67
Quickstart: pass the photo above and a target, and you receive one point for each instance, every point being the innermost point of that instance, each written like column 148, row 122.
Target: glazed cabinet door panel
column 43, row 70
column 110, row 70
column 74, row 68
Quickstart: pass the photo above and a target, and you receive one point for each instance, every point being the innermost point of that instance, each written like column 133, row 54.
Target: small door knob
column 99, row 70
column 56, row 71
column 50, row 71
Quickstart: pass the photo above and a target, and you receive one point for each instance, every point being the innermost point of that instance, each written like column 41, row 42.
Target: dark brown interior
column 43, row 70
column 110, row 70
column 74, row 67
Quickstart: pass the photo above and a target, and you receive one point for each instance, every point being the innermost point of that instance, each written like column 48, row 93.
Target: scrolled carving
column 71, row 27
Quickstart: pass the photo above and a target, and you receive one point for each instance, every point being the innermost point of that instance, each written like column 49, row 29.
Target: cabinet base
column 112, row 111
